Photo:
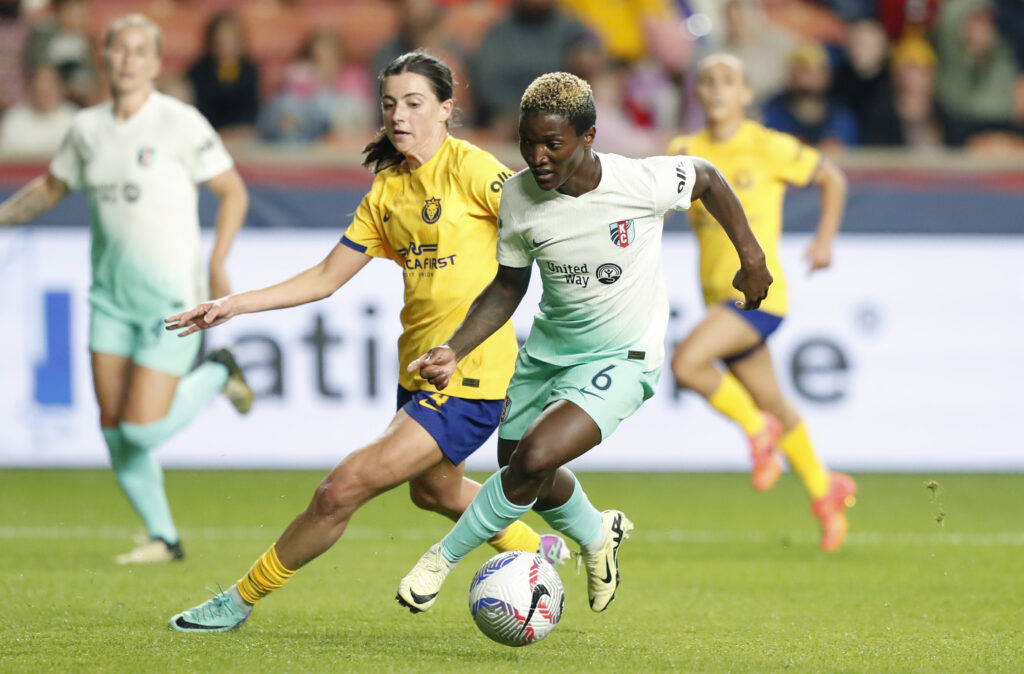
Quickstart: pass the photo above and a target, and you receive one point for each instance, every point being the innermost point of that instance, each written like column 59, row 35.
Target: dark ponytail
column 380, row 153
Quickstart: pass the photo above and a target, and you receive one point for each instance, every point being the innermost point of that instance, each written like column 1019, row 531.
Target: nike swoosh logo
column 538, row 592
column 607, row 572
column 184, row 624
column 538, row 244
column 421, row 598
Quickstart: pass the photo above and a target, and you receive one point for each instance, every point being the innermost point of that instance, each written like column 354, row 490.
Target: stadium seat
column 807, row 20
column 468, row 22
column 274, row 30
column 364, row 26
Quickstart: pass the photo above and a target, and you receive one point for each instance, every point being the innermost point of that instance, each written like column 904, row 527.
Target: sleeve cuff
column 352, row 244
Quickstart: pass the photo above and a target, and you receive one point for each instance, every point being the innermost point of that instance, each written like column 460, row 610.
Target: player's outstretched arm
column 490, row 310
column 34, row 199
column 831, row 181
column 311, row 285
column 714, row 191
column 234, row 202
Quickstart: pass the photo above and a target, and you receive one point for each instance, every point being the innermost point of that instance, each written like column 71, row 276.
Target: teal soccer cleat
column 221, row 613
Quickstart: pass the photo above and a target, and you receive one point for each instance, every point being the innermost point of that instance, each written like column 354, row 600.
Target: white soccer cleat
column 418, row 590
column 603, row 565
column 152, row 551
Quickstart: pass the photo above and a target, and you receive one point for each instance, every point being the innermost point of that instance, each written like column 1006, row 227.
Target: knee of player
column 338, row 492
column 533, row 461
column 429, row 497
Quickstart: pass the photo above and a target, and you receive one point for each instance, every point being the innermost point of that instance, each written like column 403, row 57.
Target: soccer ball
column 516, row 598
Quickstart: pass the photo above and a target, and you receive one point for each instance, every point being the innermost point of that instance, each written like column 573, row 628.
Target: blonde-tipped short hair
column 562, row 94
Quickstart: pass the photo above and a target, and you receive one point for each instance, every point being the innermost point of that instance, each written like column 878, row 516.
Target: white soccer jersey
column 140, row 176
column 599, row 256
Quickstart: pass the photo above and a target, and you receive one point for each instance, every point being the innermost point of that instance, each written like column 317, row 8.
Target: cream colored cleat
column 418, row 590
column 236, row 389
column 152, row 551
column 603, row 565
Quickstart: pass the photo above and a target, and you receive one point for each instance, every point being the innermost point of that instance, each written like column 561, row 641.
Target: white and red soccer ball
column 516, row 598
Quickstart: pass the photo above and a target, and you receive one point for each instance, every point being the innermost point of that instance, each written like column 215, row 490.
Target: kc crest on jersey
column 623, row 232
column 431, row 210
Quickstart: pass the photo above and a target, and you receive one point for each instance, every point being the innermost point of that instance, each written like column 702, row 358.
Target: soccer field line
column 938, row 538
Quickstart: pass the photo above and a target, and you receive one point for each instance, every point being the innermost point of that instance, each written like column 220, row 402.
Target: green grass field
column 715, row 578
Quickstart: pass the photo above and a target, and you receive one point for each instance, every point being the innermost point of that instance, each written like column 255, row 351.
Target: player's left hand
column 819, row 255
column 753, row 282
column 219, row 284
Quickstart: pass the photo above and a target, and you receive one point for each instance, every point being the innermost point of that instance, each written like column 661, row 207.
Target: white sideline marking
column 939, row 538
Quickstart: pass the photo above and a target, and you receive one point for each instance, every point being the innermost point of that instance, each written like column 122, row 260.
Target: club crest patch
column 431, row 211
column 623, row 232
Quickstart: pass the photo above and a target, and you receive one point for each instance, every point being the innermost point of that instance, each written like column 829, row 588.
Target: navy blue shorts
column 459, row 425
column 762, row 321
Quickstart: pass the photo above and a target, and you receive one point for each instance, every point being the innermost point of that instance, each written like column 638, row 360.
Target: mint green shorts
column 141, row 338
column 608, row 390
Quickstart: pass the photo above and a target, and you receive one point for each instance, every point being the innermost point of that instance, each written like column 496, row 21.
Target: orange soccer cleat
column 766, row 458
column 830, row 510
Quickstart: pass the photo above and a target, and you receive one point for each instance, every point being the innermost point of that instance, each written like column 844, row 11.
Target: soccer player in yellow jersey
column 760, row 164
column 432, row 210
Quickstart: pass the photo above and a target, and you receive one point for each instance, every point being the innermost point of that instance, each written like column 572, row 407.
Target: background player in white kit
column 139, row 157
column 593, row 222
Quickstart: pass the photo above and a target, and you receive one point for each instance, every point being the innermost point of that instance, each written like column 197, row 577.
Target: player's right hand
column 206, row 315
column 436, row 366
column 753, row 282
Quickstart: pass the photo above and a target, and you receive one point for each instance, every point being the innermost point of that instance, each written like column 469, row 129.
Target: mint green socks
column 489, row 513
column 137, row 470
column 576, row 518
column 142, row 481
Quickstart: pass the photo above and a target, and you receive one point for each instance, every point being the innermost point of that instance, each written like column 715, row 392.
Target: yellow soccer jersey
column 438, row 223
column 759, row 163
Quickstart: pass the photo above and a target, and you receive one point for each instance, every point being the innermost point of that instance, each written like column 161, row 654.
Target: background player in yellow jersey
column 432, row 209
column 760, row 164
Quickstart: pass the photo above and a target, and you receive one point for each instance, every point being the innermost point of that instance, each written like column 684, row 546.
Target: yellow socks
column 732, row 400
column 518, row 536
column 268, row 574
column 796, row 444
column 265, row 576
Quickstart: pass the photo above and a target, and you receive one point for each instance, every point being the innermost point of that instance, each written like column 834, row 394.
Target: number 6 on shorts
column 602, row 380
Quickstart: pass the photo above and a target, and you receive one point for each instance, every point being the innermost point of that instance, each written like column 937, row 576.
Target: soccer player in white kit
column 593, row 223
column 139, row 157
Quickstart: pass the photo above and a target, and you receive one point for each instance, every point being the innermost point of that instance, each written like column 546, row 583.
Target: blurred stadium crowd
column 914, row 74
